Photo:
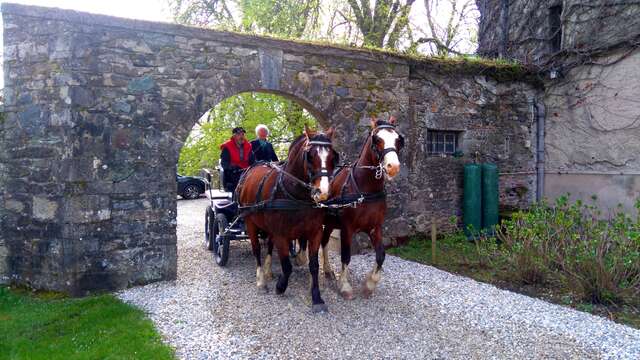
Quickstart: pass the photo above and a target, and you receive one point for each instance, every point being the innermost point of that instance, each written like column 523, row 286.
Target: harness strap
column 261, row 185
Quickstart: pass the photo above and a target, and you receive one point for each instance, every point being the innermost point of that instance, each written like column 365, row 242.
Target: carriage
column 223, row 223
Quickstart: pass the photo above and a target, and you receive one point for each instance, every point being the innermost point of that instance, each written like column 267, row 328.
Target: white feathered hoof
column 370, row 283
column 302, row 259
column 347, row 295
column 268, row 274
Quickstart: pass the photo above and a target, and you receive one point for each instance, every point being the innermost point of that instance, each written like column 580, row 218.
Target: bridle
column 380, row 154
column 323, row 170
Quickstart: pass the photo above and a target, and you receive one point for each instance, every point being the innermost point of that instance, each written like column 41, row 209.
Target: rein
column 290, row 202
column 353, row 200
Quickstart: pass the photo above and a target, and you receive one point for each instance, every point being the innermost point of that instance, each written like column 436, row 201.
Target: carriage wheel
column 210, row 228
column 221, row 248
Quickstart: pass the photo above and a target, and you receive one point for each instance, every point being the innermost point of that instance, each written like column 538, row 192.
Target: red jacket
column 235, row 153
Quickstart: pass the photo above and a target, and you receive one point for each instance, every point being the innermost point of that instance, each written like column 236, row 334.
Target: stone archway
column 97, row 109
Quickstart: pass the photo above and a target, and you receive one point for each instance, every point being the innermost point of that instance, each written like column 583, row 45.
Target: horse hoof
column 319, row 308
column 279, row 290
column 347, row 295
column 366, row 292
column 268, row 276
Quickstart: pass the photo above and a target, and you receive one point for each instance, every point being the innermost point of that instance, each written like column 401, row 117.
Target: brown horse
column 281, row 201
column 363, row 182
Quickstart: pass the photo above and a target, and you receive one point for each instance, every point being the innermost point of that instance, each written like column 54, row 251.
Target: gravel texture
column 416, row 312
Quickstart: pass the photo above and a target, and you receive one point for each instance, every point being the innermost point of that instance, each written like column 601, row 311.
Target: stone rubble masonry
column 97, row 109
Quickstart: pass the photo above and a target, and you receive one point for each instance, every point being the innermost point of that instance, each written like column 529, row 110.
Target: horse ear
column 373, row 122
column 392, row 120
column 330, row 133
column 307, row 131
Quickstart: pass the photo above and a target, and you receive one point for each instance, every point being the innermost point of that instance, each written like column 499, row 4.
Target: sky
column 154, row 10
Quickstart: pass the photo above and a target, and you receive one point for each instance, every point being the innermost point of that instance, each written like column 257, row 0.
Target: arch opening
column 284, row 115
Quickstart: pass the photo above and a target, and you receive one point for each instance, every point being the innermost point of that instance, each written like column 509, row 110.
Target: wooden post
column 433, row 240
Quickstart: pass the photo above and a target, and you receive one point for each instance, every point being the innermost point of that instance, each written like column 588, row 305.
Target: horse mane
column 295, row 144
column 382, row 122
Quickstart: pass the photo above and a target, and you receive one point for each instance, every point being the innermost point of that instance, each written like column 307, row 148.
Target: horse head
column 386, row 142
column 320, row 160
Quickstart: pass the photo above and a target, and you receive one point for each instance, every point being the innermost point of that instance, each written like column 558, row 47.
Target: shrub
column 598, row 258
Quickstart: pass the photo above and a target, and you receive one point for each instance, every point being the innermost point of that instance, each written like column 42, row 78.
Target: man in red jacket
column 235, row 157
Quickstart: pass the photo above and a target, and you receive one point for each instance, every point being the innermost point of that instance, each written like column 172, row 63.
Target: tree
column 444, row 37
column 382, row 25
column 288, row 18
column 285, row 119
column 210, row 13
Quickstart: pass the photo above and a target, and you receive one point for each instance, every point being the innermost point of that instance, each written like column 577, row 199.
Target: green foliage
column 287, row 18
column 285, row 119
column 100, row 327
column 454, row 253
column 597, row 258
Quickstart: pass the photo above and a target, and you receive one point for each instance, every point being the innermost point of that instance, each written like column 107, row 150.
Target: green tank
column 472, row 200
column 490, row 196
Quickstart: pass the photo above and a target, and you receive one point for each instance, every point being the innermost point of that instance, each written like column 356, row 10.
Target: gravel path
column 417, row 312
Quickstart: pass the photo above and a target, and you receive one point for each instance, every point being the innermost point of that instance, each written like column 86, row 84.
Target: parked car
column 190, row 187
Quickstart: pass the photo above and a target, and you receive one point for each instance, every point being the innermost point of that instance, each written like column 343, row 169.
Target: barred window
column 442, row 142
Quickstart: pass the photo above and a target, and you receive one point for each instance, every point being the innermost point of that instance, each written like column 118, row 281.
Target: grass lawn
column 457, row 255
column 49, row 326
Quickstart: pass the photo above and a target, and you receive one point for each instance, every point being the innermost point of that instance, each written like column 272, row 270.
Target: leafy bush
column 598, row 258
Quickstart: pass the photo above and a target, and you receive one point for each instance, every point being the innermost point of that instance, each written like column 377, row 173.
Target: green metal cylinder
column 472, row 199
column 490, row 196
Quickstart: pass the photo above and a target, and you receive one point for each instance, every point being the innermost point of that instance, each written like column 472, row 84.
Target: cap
column 237, row 130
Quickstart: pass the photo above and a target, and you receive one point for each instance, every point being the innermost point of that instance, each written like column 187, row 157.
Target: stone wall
column 495, row 123
column 97, row 109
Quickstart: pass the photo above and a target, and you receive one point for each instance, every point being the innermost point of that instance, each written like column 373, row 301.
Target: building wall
column 520, row 29
column 592, row 142
column 592, row 112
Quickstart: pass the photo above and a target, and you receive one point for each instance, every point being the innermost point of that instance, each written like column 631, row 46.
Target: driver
column 235, row 157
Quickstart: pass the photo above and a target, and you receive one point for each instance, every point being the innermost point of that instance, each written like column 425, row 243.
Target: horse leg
column 314, row 267
column 282, row 244
column 326, row 265
column 252, row 232
column 345, row 255
column 302, row 258
column 373, row 277
column 266, row 268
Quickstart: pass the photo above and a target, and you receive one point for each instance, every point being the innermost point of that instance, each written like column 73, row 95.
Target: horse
column 361, row 185
column 281, row 202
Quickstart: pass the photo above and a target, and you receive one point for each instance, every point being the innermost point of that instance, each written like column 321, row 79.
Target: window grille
column 442, row 142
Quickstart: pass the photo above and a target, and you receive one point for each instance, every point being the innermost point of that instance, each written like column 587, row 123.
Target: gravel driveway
column 417, row 312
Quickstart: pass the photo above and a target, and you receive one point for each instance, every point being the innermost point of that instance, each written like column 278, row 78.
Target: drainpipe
column 539, row 117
